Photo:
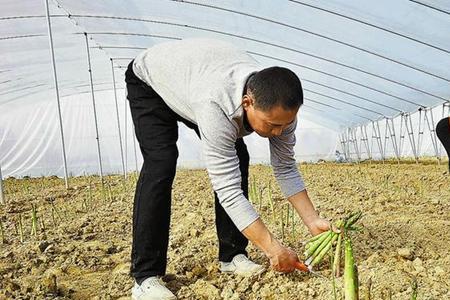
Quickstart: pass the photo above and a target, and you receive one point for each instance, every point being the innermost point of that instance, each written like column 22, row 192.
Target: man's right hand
column 283, row 259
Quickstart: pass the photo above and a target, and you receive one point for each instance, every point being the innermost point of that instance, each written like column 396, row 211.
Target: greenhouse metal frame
column 341, row 92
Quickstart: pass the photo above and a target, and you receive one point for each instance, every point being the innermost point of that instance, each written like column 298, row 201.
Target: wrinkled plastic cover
column 358, row 60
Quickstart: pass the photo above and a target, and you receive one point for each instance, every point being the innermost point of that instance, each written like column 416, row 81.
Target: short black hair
column 276, row 86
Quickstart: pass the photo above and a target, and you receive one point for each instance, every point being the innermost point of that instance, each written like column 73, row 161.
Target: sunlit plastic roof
column 358, row 60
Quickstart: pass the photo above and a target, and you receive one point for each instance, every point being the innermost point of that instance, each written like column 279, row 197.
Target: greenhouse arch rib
column 373, row 25
column 379, row 113
column 282, row 60
column 259, row 54
column 273, row 58
column 430, row 6
column 251, row 39
column 361, row 102
column 316, row 34
column 259, row 41
column 305, row 80
column 265, row 43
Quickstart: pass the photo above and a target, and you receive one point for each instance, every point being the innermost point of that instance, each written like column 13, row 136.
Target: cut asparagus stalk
column 337, row 257
column 323, row 245
column 315, row 238
column 317, row 259
column 323, row 242
column 317, row 244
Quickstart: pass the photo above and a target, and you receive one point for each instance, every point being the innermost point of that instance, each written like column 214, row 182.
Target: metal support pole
column 355, row 143
column 55, row 78
column 411, row 135
column 95, row 111
column 371, row 142
column 341, row 140
column 374, row 136
column 391, row 129
column 2, row 196
column 383, row 154
column 376, row 130
column 386, row 136
column 432, row 131
column 420, row 135
column 361, row 141
column 344, row 150
column 366, row 140
column 117, row 116
column 401, row 138
column 347, row 145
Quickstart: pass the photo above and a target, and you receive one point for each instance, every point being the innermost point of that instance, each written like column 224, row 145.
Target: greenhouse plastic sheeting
column 358, row 60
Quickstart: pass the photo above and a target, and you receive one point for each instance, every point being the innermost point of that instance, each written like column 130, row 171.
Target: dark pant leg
column 443, row 133
column 157, row 132
column 231, row 240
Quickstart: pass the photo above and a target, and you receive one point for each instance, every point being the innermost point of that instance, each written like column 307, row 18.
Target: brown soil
column 83, row 251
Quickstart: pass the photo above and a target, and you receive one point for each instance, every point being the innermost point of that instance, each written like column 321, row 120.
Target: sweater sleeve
column 282, row 159
column 218, row 137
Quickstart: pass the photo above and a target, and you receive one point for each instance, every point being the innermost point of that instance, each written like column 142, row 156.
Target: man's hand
column 318, row 225
column 283, row 259
column 309, row 215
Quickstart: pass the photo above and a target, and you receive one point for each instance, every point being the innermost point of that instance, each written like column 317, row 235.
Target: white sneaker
column 151, row 288
column 241, row 265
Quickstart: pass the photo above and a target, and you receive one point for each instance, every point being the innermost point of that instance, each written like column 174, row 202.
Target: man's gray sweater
column 203, row 81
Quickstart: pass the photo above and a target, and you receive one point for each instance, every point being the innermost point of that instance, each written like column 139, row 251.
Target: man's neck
column 247, row 126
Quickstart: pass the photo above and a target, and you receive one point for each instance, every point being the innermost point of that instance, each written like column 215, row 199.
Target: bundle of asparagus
column 317, row 247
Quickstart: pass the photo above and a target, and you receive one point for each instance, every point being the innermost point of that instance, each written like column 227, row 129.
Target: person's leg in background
column 157, row 133
column 443, row 133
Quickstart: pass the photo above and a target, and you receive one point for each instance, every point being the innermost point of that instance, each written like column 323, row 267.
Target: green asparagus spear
column 350, row 276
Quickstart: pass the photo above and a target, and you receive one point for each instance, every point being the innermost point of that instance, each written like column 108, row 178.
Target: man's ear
column 247, row 101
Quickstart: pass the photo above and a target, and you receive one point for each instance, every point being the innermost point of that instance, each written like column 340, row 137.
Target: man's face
column 267, row 123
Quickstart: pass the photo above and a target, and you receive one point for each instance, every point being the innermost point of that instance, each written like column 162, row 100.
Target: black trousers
column 156, row 127
column 443, row 133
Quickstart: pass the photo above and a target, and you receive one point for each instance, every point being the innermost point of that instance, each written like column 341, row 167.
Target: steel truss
column 365, row 140
column 389, row 134
column 425, row 121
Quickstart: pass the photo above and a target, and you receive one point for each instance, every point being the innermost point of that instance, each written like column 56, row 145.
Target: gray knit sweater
column 203, row 80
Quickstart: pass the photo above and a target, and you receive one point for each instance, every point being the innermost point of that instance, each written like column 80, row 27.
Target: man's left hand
column 318, row 225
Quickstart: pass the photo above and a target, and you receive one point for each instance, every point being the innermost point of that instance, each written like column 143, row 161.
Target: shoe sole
column 244, row 274
column 136, row 298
